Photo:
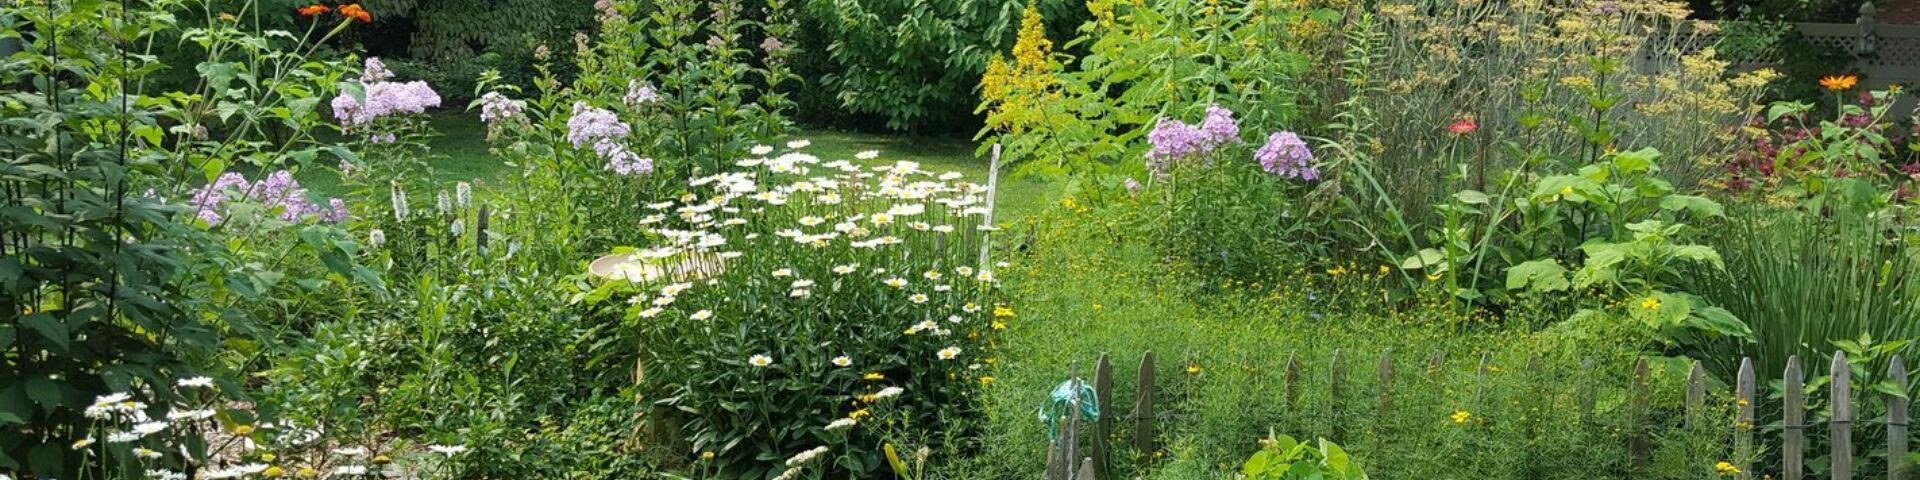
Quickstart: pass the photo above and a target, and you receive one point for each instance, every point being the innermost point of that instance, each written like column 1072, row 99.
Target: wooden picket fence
column 1094, row 460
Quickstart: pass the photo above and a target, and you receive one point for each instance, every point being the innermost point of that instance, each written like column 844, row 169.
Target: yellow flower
column 1435, row 276
column 859, row 414
column 382, row 459
column 1461, row 416
column 1650, row 303
column 1726, row 468
column 986, row 380
column 307, row 472
column 243, row 430
column 1193, row 369
column 266, row 457
column 1002, row 311
column 999, row 325
column 706, row 456
column 875, row 376
column 1566, row 190
column 1384, row 270
column 274, row 471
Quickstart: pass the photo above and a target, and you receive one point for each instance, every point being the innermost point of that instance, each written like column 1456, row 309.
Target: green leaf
column 44, row 391
column 1538, row 276
column 1692, row 205
column 1472, row 197
column 1718, row 321
column 1637, row 161
column 1426, row 258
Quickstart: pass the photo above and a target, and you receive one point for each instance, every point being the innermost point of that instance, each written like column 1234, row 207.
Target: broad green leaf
column 1426, row 258
column 1692, row 205
column 1539, row 276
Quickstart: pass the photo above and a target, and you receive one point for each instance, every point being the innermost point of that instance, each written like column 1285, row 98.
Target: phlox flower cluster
column 279, row 190
column 1287, row 156
column 381, row 98
column 602, row 131
column 640, row 94
column 496, row 108
column 1172, row 140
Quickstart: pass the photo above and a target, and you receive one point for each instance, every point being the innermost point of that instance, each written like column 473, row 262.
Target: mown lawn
column 460, row 154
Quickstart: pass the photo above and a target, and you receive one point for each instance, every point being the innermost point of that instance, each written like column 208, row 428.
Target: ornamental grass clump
column 821, row 290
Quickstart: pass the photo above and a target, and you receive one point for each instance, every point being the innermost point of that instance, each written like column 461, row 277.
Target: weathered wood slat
column 1696, row 394
column 1897, row 427
column 1840, row 423
column 1086, row 470
column 1143, row 409
column 1743, row 399
column 1103, row 428
column 1793, row 448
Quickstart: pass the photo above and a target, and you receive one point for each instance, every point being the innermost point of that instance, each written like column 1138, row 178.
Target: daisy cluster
column 154, row 437
column 885, row 255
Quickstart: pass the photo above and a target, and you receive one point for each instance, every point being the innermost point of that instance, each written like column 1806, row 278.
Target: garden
column 950, row 239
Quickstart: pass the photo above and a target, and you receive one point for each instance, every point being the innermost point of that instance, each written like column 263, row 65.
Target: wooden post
column 1840, row 425
column 1696, row 394
column 1637, row 444
column 1337, row 375
column 1793, row 448
column 1434, row 363
column 1143, row 410
column 1103, row 428
column 1897, row 421
column 1086, row 470
column 480, row 227
column 1743, row 399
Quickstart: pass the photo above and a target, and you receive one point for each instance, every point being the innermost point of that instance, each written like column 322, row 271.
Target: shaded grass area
column 460, row 153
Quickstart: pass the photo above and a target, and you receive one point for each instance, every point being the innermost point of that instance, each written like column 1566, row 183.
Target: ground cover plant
column 1400, row 240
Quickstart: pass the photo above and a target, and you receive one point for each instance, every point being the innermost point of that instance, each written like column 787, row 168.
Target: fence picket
column 1897, row 421
column 1143, row 409
column 1793, row 449
column 1743, row 399
column 1696, row 394
column 1840, row 423
column 1103, row 427
column 1293, row 383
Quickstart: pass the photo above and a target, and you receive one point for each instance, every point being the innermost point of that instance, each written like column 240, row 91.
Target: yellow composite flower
column 1461, row 416
column 1650, row 303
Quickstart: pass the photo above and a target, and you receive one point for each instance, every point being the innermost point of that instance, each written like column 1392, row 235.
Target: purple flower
column 279, row 190
column 495, row 108
column 602, row 130
column 1287, row 156
column 384, row 99
column 1133, row 186
column 375, row 71
column 773, row 45
column 1220, row 127
column 1172, row 140
column 640, row 93
column 591, row 125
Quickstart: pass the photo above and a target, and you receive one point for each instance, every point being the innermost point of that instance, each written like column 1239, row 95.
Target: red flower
column 1463, row 126
column 354, row 11
column 314, row 10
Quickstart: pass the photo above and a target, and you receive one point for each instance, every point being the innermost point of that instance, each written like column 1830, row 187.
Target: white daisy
column 949, row 353
column 760, row 361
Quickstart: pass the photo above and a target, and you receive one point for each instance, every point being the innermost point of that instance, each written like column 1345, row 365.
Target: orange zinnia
column 1839, row 82
column 355, row 12
column 315, row 9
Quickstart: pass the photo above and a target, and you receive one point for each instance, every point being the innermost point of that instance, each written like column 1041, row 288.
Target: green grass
column 460, row 154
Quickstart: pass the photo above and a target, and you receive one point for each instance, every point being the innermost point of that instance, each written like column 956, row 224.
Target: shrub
column 1144, row 61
